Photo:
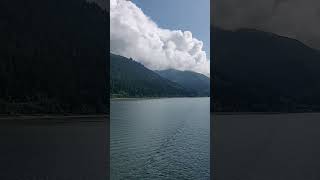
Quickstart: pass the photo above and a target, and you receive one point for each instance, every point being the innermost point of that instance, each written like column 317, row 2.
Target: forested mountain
column 131, row 79
column 261, row 71
column 188, row 79
column 53, row 57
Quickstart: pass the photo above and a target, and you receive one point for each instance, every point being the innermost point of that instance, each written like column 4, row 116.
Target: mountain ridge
column 189, row 79
column 53, row 57
column 129, row 78
column 256, row 71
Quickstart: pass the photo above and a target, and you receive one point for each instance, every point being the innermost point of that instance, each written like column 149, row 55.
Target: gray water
column 160, row 139
column 72, row 149
column 267, row 146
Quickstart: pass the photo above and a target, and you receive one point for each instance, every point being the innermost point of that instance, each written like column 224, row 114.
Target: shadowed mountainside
column 188, row 79
column 260, row 71
column 53, row 57
column 131, row 79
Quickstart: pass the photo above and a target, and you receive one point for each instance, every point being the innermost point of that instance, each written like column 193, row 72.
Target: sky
column 191, row 15
column 162, row 34
column 298, row 19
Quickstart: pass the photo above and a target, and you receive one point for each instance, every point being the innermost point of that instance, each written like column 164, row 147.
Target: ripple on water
column 160, row 139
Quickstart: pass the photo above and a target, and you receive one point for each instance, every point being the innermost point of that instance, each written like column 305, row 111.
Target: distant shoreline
column 259, row 113
column 154, row 98
column 54, row 118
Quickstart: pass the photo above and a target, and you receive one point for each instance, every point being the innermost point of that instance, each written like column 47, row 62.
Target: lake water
column 267, row 146
column 160, row 139
column 69, row 149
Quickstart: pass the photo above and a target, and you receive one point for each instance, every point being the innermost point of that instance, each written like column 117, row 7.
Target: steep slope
column 188, row 79
column 53, row 57
column 129, row 78
column 261, row 71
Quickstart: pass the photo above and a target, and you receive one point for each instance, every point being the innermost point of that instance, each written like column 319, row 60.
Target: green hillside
column 129, row 78
column 188, row 79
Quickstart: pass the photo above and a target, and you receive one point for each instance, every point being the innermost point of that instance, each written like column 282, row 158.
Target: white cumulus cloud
column 135, row 35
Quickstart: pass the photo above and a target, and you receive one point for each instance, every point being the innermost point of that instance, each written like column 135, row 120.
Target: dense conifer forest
column 53, row 57
column 131, row 79
column 256, row 71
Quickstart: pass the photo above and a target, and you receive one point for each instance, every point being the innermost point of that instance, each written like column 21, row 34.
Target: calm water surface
column 160, row 138
column 53, row 149
column 267, row 146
